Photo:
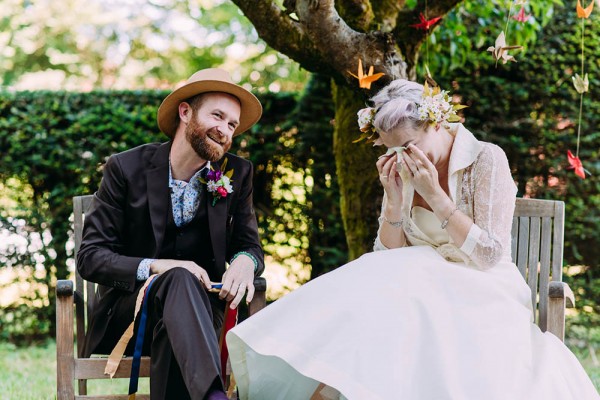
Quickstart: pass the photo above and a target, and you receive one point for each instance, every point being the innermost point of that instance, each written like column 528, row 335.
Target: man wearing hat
column 179, row 209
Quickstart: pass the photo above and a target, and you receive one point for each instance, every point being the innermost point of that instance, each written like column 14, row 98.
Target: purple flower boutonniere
column 218, row 182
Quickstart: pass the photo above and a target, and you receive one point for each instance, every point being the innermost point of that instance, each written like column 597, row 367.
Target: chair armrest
column 560, row 296
column 64, row 288
column 259, row 301
column 560, row 290
column 260, row 284
column 65, row 370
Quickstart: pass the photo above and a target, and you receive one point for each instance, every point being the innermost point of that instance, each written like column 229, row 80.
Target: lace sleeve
column 493, row 191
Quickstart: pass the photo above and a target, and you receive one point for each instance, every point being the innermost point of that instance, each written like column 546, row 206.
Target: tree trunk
column 360, row 192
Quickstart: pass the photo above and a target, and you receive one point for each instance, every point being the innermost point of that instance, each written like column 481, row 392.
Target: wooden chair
column 71, row 367
column 537, row 249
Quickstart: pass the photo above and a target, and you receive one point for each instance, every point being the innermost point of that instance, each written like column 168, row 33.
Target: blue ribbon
column 139, row 344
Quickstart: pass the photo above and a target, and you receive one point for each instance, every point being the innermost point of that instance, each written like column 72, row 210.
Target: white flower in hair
column 437, row 108
column 366, row 118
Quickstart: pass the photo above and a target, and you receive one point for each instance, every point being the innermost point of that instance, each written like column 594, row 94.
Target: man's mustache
column 214, row 134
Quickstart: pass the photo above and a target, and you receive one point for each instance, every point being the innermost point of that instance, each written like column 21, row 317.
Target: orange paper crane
column 584, row 12
column 365, row 80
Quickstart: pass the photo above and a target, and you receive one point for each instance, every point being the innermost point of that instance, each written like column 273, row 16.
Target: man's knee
column 181, row 280
column 179, row 274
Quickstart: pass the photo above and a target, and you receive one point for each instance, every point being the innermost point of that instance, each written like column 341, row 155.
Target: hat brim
column 168, row 112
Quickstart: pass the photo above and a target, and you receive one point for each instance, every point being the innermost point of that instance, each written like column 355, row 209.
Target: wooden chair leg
column 65, row 372
column 560, row 296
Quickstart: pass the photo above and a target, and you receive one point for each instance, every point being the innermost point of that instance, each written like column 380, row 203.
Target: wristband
column 246, row 254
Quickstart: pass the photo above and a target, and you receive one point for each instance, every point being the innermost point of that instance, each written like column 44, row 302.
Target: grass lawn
column 30, row 374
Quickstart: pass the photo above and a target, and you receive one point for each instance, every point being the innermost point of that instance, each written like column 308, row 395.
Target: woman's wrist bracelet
column 445, row 222
column 395, row 224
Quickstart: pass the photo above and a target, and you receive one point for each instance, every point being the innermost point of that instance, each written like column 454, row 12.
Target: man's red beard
column 208, row 143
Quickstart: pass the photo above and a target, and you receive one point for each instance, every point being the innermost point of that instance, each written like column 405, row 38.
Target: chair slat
column 533, row 260
column 545, row 249
column 558, row 241
column 93, row 368
column 534, row 208
column 523, row 246
column 79, row 285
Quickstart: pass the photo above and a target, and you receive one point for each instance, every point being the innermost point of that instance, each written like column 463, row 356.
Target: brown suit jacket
column 128, row 219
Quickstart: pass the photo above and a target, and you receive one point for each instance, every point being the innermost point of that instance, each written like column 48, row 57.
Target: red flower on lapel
column 218, row 182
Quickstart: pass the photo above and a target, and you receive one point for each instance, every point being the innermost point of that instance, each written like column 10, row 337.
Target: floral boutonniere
column 218, row 182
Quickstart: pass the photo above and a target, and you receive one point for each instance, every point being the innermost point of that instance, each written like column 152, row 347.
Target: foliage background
column 530, row 109
column 53, row 144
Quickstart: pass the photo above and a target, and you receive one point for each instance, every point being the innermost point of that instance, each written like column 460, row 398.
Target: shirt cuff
column 143, row 270
column 471, row 240
column 236, row 255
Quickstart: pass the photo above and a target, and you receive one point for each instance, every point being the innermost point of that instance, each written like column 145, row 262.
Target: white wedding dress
column 432, row 321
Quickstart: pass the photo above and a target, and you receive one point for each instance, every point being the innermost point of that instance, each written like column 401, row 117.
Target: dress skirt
column 405, row 324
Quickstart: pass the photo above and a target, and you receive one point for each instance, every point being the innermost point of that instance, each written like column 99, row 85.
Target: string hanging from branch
column 500, row 49
column 426, row 24
column 582, row 85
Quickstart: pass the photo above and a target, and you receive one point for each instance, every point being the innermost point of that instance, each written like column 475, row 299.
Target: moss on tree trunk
column 360, row 193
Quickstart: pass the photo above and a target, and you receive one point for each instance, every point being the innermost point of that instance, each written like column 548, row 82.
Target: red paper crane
column 575, row 163
column 521, row 17
column 425, row 24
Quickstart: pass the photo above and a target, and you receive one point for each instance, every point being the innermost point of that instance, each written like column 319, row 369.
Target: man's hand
column 160, row 266
column 238, row 279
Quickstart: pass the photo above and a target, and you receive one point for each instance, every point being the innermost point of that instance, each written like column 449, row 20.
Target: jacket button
column 178, row 254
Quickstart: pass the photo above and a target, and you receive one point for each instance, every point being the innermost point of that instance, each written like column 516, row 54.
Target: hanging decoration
column 582, row 85
column 500, row 49
column 426, row 24
column 365, row 80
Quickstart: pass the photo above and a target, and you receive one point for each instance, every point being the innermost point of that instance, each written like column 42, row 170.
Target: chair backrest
column 85, row 291
column 537, row 248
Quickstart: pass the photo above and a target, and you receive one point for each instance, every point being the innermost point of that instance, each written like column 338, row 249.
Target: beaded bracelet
column 239, row 253
column 445, row 222
column 395, row 224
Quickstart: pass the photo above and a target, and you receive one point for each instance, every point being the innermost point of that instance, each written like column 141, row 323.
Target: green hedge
column 530, row 109
column 54, row 145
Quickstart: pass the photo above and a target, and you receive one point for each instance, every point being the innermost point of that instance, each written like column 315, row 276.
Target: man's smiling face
column 212, row 125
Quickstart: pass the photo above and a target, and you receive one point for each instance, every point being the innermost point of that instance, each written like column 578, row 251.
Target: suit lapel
column 157, row 183
column 217, row 217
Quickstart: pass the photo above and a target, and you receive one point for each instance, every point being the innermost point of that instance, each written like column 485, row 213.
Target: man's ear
column 185, row 112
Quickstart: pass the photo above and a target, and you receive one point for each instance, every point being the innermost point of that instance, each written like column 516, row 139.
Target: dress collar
column 465, row 150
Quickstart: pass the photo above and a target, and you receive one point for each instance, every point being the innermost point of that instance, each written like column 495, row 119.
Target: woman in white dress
column 438, row 311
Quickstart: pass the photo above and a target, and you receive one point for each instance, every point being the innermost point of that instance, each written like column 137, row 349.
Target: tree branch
column 386, row 11
column 357, row 13
column 282, row 33
column 341, row 46
column 410, row 39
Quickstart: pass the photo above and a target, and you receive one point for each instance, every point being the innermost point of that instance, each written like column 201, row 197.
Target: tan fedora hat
column 203, row 81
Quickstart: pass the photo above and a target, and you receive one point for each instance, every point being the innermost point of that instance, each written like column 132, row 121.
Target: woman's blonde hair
column 397, row 104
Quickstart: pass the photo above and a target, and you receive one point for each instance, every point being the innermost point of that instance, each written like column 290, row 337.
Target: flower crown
column 435, row 107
